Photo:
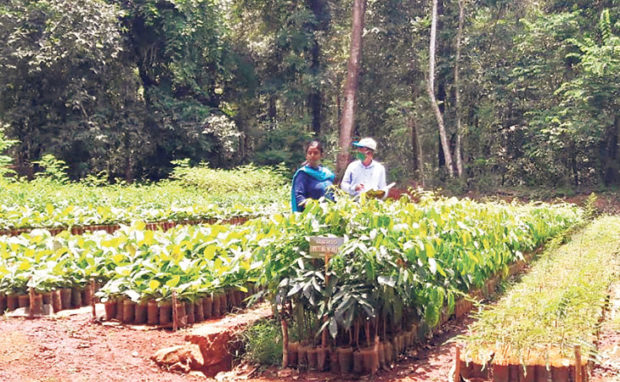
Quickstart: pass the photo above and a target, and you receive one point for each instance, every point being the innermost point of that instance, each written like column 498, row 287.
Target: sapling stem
column 175, row 314
column 578, row 376
column 284, row 342
column 92, row 298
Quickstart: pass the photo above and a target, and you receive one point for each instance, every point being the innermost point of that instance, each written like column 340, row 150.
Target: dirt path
column 609, row 341
column 73, row 348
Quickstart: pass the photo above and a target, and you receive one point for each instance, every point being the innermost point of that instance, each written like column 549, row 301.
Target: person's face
column 313, row 156
column 363, row 153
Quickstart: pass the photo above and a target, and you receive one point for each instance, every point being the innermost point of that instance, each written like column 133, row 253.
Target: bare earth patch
column 76, row 349
column 609, row 341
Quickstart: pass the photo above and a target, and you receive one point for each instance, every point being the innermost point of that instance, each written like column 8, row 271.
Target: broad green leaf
column 174, row 281
column 154, row 284
column 430, row 249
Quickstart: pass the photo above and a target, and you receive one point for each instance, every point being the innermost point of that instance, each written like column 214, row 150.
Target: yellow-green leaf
column 154, row 284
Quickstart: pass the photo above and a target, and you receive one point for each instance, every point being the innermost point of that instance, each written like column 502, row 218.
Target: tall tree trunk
column 128, row 168
column 610, row 160
column 416, row 150
column 457, row 90
column 572, row 151
column 350, row 88
column 315, row 98
column 431, row 93
column 272, row 110
column 128, row 160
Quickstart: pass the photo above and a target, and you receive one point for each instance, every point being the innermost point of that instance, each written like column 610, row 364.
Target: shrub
column 263, row 343
column 241, row 179
column 54, row 170
column 5, row 160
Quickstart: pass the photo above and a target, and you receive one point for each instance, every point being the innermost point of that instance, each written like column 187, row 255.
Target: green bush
column 54, row 170
column 263, row 343
column 5, row 160
column 241, row 179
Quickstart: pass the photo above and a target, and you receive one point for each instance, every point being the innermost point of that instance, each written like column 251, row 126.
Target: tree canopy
column 129, row 86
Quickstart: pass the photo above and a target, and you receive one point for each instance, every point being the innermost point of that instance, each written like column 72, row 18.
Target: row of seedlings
column 545, row 327
column 60, row 268
column 153, row 312
column 46, row 204
column 57, row 299
column 397, row 274
column 38, row 269
column 191, row 273
column 111, row 228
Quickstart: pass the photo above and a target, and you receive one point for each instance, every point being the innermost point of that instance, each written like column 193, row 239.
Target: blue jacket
column 309, row 183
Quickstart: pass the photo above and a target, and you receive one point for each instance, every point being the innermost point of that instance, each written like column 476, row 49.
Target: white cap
column 368, row 143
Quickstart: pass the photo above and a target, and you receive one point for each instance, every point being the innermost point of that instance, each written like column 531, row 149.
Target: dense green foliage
column 400, row 261
column 556, row 306
column 5, row 160
column 263, row 342
column 136, row 263
column 245, row 179
column 398, row 257
column 127, row 87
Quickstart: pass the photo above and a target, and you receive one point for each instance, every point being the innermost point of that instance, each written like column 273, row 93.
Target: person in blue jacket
column 311, row 181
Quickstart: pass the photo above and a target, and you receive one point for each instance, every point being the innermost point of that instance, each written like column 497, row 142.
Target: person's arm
column 381, row 184
column 346, row 181
column 299, row 188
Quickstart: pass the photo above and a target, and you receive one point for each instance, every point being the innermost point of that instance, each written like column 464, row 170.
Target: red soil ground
column 76, row 349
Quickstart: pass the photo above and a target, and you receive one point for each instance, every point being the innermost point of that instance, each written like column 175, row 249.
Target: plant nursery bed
column 111, row 228
column 430, row 362
column 434, row 360
column 546, row 327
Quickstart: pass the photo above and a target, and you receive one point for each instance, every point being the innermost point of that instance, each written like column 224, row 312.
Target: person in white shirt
column 365, row 173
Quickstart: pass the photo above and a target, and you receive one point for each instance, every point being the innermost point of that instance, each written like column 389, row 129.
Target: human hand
column 359, row 187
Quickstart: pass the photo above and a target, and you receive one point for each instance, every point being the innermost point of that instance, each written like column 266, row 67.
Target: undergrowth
column 263, row 343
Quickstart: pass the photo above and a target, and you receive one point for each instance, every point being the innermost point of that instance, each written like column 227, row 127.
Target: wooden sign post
column 324, row 247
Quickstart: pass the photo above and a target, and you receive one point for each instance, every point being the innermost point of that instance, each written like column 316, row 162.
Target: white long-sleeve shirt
column 371, row 176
